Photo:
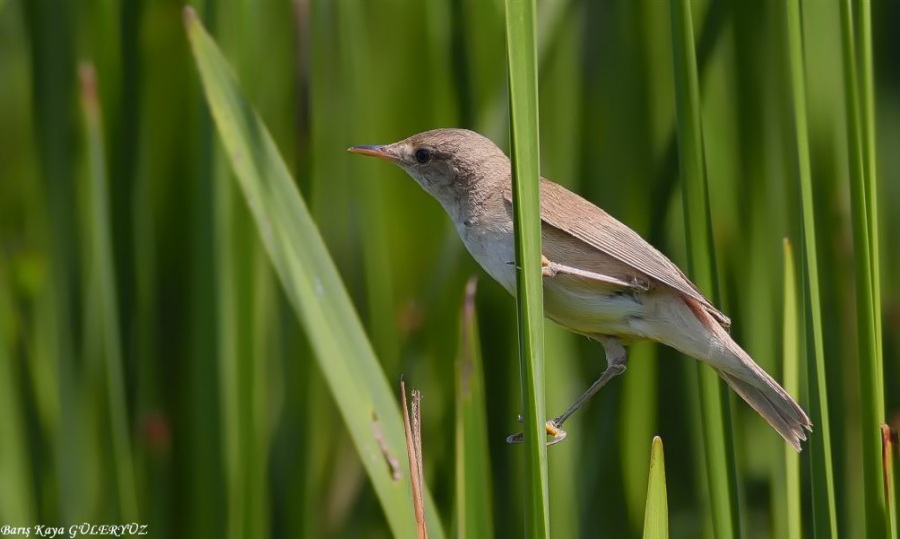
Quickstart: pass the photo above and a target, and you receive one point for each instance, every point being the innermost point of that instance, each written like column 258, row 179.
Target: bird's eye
column 422, row 156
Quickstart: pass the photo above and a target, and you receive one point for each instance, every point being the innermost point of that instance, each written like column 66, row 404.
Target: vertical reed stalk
column 714, row 397
column 522, row 60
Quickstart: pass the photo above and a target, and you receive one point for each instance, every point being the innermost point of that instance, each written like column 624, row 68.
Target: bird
column 601, row 279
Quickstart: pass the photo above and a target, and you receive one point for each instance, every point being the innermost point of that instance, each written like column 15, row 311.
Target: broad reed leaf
column 313, row 287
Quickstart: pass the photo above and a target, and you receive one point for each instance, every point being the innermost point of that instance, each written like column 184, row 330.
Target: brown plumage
column 601, row 279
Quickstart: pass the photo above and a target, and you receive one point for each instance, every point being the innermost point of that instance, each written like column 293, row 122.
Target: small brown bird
column 601, row 279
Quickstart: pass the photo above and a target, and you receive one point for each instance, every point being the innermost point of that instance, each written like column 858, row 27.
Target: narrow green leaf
column 313, row 287
column 656, row 513
column 867, row 106
column 51, row 28
column 474, row 516
column 561, row 108
column 245, row 290
column 819, row 445
column 229, row 335
column 354, row 27
column 638, row 421
column 105, row 279
column 521, row 52
column 242, row 293
column 870, row 367
column 16, row 490
column 714, row 398
column 867, row 117
column 791, row 357
column 208, row 479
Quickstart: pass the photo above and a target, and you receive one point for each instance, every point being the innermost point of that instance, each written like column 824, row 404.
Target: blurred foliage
column 212, row 355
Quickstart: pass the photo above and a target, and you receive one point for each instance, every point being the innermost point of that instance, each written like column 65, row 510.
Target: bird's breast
column 492, row 245
column 581, row 305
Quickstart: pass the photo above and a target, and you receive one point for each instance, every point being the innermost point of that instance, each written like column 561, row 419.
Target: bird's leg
column 616, row 359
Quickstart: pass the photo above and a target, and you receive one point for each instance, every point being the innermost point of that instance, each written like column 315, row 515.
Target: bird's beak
column 381, row 152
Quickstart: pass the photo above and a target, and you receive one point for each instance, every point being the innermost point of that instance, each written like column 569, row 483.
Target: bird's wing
column 570, row 218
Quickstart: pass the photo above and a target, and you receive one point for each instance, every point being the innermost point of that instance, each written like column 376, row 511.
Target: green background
column 212, row 361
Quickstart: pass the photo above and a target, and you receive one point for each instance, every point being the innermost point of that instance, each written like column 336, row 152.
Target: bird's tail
column 773, row 403
column 753, row 384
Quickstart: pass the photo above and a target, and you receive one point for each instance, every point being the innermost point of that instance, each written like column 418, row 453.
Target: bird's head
column 450, row 164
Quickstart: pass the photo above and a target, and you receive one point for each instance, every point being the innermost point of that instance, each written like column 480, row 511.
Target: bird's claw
column 548, row 269
column 556, row 433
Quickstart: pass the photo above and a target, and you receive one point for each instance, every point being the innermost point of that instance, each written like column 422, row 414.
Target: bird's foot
column 548, row 269
column 556, row 434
